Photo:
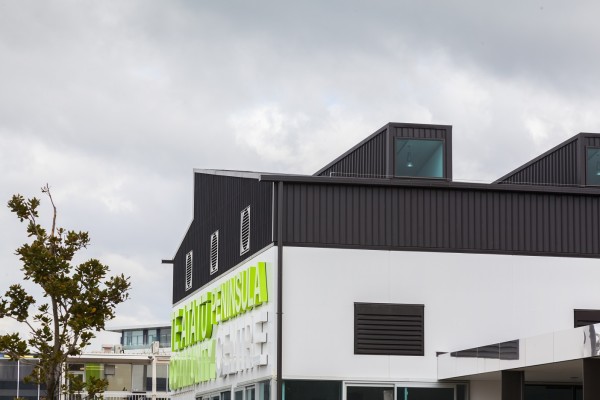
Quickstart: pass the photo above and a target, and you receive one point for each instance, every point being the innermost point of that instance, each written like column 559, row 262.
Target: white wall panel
column 470, row 300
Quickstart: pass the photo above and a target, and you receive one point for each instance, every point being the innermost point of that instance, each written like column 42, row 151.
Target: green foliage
column 77, row 299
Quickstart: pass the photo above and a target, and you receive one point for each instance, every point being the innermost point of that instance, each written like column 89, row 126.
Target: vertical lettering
column 250, row 282
column 238, row 293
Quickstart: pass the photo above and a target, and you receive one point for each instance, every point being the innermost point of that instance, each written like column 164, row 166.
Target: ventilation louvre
column 388, row 329
column 188, row 271
column 214, row 252
column 245, row 230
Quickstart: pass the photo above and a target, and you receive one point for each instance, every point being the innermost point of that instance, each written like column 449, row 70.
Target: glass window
column 162, row 374
column 138, row 378
column 250, row 393
column 312, row 390
column 593, row 166
column 421, row 393
column 239, row 395
column 553, row 392
column 165, row 337
column 419, row 158
column 225, row 395
column 152, row 336
column 264, row 390
column 369, row 393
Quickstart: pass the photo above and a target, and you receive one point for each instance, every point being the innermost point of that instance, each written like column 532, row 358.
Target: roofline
column 430, row 183
column 371, row 136
column 377, row 132
column 545, row 154
column 230, row 173
column 118, row 329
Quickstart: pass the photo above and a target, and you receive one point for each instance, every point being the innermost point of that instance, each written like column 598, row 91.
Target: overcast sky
column 113, row 103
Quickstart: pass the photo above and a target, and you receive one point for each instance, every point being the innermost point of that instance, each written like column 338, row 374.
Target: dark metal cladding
column 374, row 156
column 556, row 167
column 592, row 141
column 367, row 159
column 563, row 165
column 442, row 219
column 218, row 202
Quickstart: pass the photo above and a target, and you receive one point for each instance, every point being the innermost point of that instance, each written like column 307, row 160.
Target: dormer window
column 419, row 158
column 593, row 166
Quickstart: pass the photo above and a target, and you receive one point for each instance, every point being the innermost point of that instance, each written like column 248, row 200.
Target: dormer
column 574, row 162
column 398, row 150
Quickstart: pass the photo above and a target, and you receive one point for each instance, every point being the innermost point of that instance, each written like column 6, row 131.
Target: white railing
column 124, row 396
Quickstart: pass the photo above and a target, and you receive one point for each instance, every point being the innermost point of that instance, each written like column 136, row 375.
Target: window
column 370, row 392
column 419, row 158
column 214, row 252
column 188, row 271
column 425, row 393
column 593, row 166
column 308, row 390
column 389, row 329
column 245, row 230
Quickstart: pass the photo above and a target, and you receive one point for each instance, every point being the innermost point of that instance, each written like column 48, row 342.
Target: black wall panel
column 419, row 132
column 441, row 219
column 373, row 158
column 218, row 202
column 557, row 167
column 593, row 141
column 366, row 160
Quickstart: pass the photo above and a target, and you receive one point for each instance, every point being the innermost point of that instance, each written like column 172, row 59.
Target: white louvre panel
column 188, row 271
column 214, row 252
column 245, row 230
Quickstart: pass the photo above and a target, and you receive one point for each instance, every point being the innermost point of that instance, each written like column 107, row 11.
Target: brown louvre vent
column 188, row 271
column 245, row 230
column 388, row 329
column 586, row 317
column 214, row 252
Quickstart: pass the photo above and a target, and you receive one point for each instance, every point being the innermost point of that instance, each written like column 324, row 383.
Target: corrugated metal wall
column 218, row 202
column 593, row 141
column 418, row 132
column 374, row 157
column 452, row 219
column 559, row 167
column 368, row 160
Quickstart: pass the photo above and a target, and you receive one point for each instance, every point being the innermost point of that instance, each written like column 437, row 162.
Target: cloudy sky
column 113, row 103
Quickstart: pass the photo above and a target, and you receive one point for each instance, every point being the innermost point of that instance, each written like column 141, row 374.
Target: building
column 381, row 278
column 136, row 368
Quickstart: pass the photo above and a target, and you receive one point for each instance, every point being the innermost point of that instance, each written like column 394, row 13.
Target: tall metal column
column 513, row 383
column 591, row 378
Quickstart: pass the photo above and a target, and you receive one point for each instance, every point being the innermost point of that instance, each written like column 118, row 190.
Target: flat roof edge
column 231, row 173
column 554, row 347
column 430, row 183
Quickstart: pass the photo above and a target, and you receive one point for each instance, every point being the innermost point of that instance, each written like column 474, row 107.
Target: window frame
column 587, row 149
column 444, row 158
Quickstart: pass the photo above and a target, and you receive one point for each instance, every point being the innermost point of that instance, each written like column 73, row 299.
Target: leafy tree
column 77, row 300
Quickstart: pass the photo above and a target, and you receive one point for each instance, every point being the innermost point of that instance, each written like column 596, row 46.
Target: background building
column 381, row 278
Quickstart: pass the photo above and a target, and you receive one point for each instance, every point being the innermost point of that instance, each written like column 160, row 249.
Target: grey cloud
column 113, row 103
